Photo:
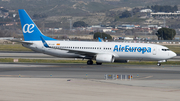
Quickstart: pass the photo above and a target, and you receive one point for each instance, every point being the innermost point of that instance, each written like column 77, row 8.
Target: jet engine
column 100, row 58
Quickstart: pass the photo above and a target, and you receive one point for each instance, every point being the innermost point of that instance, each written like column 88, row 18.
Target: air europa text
column 127, row 48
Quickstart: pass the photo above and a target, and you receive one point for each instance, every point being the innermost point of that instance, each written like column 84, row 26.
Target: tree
column 125, row 14
column 135, row 10
column 3, row 10
column 80, row 24
column 166, row 34
column 102, row 35
column 148, row 7
column 175, row 8
column 166, row 8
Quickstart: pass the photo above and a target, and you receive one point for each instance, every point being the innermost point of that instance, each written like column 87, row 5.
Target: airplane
column 101, row 52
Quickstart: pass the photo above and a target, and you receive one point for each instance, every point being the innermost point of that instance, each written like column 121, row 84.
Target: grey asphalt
column 83, row 71
column 167, row 76
column 66, row 82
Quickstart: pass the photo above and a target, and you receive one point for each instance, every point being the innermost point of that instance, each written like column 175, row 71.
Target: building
column 126, row 26
column 145, row 10
column 164, row 14
column 107, row 30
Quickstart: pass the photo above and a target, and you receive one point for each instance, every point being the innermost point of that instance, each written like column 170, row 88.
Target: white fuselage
column 121, row 51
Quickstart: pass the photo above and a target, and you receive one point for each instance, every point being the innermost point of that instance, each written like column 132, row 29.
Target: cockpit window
column 165, row 49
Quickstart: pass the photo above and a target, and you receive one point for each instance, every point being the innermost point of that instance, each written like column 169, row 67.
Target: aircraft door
column 154, row 50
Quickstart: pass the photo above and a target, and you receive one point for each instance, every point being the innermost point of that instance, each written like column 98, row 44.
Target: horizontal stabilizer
column 25, row 42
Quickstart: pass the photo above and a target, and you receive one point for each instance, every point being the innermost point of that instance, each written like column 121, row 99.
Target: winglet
column 44, row 42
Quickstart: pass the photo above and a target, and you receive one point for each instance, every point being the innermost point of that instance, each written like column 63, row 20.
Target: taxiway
column 79, row 82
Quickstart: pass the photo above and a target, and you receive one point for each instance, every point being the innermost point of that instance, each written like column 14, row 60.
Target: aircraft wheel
column 97, row 63
column 89, row 62
column 158, row 64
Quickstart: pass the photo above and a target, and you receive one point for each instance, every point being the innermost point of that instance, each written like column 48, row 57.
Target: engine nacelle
column 104, row 58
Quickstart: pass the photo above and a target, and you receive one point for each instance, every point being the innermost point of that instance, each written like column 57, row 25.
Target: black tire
column 159, row 64
column 97, row 63
column 89, row 62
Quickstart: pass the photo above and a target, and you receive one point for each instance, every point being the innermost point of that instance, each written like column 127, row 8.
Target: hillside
column 91, row 11
column 78, row 7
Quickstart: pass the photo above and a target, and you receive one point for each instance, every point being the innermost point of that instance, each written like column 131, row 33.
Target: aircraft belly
column 133, row 56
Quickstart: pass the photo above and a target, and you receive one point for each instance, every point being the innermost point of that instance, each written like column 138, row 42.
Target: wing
column 81, row 52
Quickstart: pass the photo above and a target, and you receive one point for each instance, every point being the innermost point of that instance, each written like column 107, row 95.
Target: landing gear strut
column 89, row 62
column 158, row 64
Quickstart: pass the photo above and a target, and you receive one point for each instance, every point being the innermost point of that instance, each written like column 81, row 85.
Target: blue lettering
column 139, row 49
column 126, row 48
column 149, row 50
column 131, row 49
column 119, row 48
column 135, row 49
column 143, row 50
column 115, row 48
column 122, row 49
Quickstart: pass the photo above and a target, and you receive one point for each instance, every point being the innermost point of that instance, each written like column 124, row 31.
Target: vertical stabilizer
column 29, row 28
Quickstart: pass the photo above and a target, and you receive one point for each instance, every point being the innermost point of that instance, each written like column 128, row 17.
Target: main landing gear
column 97, row 63
column 158, row 64
column 89, row 62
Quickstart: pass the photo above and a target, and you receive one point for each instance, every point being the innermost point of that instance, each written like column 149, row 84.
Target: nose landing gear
column 158, row 64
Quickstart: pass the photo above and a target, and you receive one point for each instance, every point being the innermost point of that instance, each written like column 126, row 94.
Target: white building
column 162, row 14
column 146, row 10
column 96, row 26
column 107, row 30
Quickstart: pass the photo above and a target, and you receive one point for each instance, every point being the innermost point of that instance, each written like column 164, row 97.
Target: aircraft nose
column 173, row 54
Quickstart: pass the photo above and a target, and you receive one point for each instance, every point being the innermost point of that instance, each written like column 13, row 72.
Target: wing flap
column 81, row 52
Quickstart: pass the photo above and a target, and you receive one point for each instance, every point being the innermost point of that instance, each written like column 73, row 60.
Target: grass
column 6, row 60
column 13, row 47
column 10, row 60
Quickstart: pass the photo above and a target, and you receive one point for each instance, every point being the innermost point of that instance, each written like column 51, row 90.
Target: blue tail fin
column 29, row 28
